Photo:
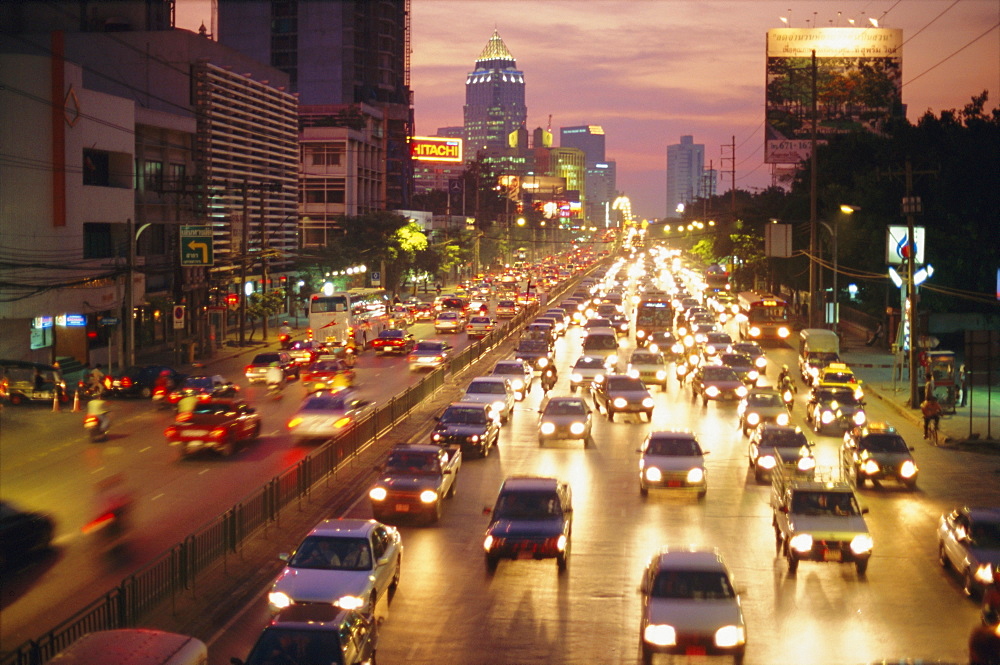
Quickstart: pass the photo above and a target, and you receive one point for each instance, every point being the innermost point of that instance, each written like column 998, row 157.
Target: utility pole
column 263, row 258
column 243, row 265
column 813, row 231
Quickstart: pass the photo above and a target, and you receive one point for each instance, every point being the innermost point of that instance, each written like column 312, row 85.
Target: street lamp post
column 833, row 231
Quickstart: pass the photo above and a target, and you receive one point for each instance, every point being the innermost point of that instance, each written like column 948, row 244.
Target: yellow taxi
column 839, row 375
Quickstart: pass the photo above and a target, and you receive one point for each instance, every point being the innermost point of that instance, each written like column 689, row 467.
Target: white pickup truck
column 818, row 521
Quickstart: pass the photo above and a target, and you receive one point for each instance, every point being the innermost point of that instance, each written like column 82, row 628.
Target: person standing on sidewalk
column 963, row 384
column 929, row 385
column 931, row 410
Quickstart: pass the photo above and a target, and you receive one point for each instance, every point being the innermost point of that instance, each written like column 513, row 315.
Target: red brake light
column 247, row 368
column 126, row 382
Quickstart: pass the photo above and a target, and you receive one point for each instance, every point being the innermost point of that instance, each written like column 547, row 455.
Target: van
column 22, row 381
column 133, row 646
column 601, row 343
column 818, row 348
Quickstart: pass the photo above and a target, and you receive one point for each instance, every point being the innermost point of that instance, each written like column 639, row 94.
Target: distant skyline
column 650, row 71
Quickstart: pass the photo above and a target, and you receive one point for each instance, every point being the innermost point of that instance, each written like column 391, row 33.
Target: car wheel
column 226, row 450
column 394, row 584
column 16, row 400
column 910, row 484
column 701, row 494
column 256, row 431
column 643, row 490
column 145, row 392
column 758, row 476
column 737, row 659
column 491, row 563
column 562, row 561
column 969, row 583
column 942, row 557
column 704, row 401
column 572, row 388
column 793, row 565
column 611, row 416
column 436, row 513
column 647, row 655
column 861, row 567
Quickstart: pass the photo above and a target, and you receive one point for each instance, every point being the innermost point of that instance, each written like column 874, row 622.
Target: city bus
column 358, row 313
column 653, row 315
column 716, row 279
column 763, row 316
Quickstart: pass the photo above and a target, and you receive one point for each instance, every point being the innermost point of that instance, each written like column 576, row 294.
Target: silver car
column 565, row 418
column 520, row 374
column 325, row 414
column 969, row 542
column 586, row 370
column 648, row 366
column 493, row 390
column 352, row 564
column 672, row 460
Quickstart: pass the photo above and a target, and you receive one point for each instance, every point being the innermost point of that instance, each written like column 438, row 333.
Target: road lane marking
column 158, row 496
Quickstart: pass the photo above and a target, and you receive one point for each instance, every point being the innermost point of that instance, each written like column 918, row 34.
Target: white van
column 601, row 343
column 133, row 646
column 818, row 347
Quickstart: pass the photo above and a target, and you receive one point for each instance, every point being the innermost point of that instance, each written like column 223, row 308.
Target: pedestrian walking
column 876, row 336
column 963, row 384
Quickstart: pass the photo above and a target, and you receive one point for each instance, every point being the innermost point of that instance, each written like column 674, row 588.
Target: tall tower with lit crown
column 494, row 100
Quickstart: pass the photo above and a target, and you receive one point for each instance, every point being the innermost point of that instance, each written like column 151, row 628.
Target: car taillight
column 248, row 369
column 183, row 417
column 342, row 422
column 294, row 422
column 218, row 433
column 170, row 431
column 126, row 382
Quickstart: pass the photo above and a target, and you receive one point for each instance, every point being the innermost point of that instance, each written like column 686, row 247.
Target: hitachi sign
column 434, row 149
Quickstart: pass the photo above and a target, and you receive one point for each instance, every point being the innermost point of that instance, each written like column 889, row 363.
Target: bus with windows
column 763, row 316
column 653, row 315
column 358, row 313
column 716, row 279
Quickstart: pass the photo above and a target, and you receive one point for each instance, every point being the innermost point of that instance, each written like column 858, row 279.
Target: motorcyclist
column 98, row 408
column 274, row 377
column 783, row 374
column 114, row 506
column 549, row 378
column 95, row 380
column 285, row 329
column 285, row 335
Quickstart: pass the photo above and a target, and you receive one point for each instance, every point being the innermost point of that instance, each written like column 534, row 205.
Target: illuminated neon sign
column 435, row 149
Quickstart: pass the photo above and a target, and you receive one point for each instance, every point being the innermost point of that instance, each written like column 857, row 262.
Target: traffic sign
column 108, row 321
column 376, row 278
column 179, row 311
column 196, row 246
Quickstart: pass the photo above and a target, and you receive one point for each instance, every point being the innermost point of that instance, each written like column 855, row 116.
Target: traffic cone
column 55, row 401
column 76, row 400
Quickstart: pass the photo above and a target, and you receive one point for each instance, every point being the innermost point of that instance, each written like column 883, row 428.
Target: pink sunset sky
column 649, row 71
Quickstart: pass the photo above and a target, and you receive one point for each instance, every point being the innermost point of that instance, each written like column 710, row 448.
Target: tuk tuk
column 22, row 381
column 941, row 366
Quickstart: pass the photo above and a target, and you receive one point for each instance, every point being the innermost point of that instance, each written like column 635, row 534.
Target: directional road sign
column 196, row 246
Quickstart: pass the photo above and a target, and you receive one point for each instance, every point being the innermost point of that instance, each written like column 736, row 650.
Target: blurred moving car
column 428, row 354
column 479, row 326
column 139, row 381
column 619, row 393
column 472, row 425
column 415, row 480
column 327, row 373
column 876, row 452
column 586, row 371
column 536, row 353
column 325, row 414
column 305, row 351
column 672, row 460
column 772, row 444
column 204, row 387
column 424, row 311
column 969, row 544
column 256, row 371
column 401, row 316
column 690, row 607
column 762, row 405
column 351, row 564
column 22, row 534
column 317, row 633
column 393, row 340
column 649, row 367
column 493, row 390
column 717, row 382
column 449, row 321
column 217, row 424
column 506, row 309
column 520, row 374
column 531, row 519
column 833, row 406
column 565, row 418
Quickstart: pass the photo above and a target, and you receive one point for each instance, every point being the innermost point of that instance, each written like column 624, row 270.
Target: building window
column 96, row 168
column 97, row 241
column 325, row 155
column 178, row 172
column 153, row 176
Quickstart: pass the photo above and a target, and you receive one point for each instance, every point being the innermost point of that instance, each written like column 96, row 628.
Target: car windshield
column 304, row 647
column 411, row 462
column 986, row 534
column 506, row 303
column 647, row 359
column 463, row 415
column 527, row 506
column 566, row 407
column 491, row 387
column 737, row 360
column 480, row 320
column 624, row 384
column 720, row 374
column 600, row 342
column 332, row 553
column 748, row 349
column 448, row 315
column 199, row 382
column 838, row 377
column 692, row 585
column 843, row 396
column 673, row 447
column 326, row 366
column 436, row 347
column 533, row 346
column 266, row 359
column 776, row 438
column 325, row 402
column 884, row 443
column 764, row 400
column 810, row 502
column 598, row 323
column 589, row 363
column 719, row 338
column 818, row 357
column 509, row 368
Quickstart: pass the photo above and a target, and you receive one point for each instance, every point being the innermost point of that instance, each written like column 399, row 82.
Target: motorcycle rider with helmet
column 274, row 378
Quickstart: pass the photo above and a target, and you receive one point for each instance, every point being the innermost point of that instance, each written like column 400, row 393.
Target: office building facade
column 494, row 101
column 685, row 166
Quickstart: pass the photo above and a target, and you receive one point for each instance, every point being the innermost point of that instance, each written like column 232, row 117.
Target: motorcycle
column 285, row 339
column 160, row 397
column 681, row 371
column 90, row 390
column 548, row 379
column 97, row 425
column 787, row 389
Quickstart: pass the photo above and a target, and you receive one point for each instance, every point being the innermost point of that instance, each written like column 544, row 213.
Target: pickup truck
column 415, row 479
column 818, row 521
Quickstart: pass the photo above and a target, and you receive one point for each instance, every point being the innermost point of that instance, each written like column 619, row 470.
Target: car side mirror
column 864, row 510
column 487, row 510
column 284, row 556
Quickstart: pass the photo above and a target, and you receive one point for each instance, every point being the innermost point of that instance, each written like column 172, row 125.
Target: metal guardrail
column 176, row 570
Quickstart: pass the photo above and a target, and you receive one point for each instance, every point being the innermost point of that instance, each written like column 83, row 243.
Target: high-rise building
column 494, row 101
column 337, row 53
column 589, row 138
column 600, row 174
column 685, row 165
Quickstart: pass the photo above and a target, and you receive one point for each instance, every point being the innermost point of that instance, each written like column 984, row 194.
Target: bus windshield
column 326, row 304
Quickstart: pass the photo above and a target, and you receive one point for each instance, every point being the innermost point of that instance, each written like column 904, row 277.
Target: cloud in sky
column 650, row 71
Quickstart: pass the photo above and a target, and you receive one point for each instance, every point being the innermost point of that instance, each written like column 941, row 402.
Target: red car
column 215, row 424
column 204, row 387
column 393, row 340
column 424, row 311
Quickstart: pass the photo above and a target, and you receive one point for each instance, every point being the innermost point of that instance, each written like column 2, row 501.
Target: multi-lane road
column 449, row 610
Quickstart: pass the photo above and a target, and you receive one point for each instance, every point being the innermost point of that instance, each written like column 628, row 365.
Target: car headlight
column 634, row 373
column 783, row 332
column 858, row 393
column 561, row 542
column 753, row 375
column 488, row 543
column 807, row 463
column 598, row 378
column 782, row 419
column 436, row 436
column 542, row 362
column 498, row 406
column 801, row 542
column 760, row 362
column 428, row 496
column 859, row 417
column 547, row 428
column 813, row 371
column 612, row 359
column 753, row 419
column 660, row 635
column 378, row 494
column 661, row 375
column 653, row 474
column 869, row 466
column 640, row 334
column 907, row 469
column 576, row 378
column 984, row 573
column 862, row 543
column 709, row 350
column 826, row 417
column 619, row 402
column 517, row 384
column 577, row 428
column 712, row 391
column 677, row 348
column 473, row 439
column 278, row 600
column 730, row 636
column 754, row 331
column 766, row 461
column 696, row 475
column 742, row 391
column 350, row 603
column 688, row 341
column 654, row 347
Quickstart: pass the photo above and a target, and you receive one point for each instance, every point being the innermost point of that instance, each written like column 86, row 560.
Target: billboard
column 858, row 85
column 435, row 149
column 897, row 250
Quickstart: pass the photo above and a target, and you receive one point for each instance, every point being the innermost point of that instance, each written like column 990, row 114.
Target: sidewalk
column 975, row 427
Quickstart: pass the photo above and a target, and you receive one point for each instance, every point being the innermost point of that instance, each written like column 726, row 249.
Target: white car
column 352, row 564
column 586, row 371
column 325, row 414
column 493, row 390
column 520, row 374
column 672, row 460
column 689, row 606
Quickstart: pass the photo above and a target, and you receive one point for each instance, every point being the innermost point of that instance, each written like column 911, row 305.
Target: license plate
column 402, row 508
column 673, row 483
column 195, row 432
column 831, row 555
column 694, row 651
column 728, row 396
column 525, row 554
